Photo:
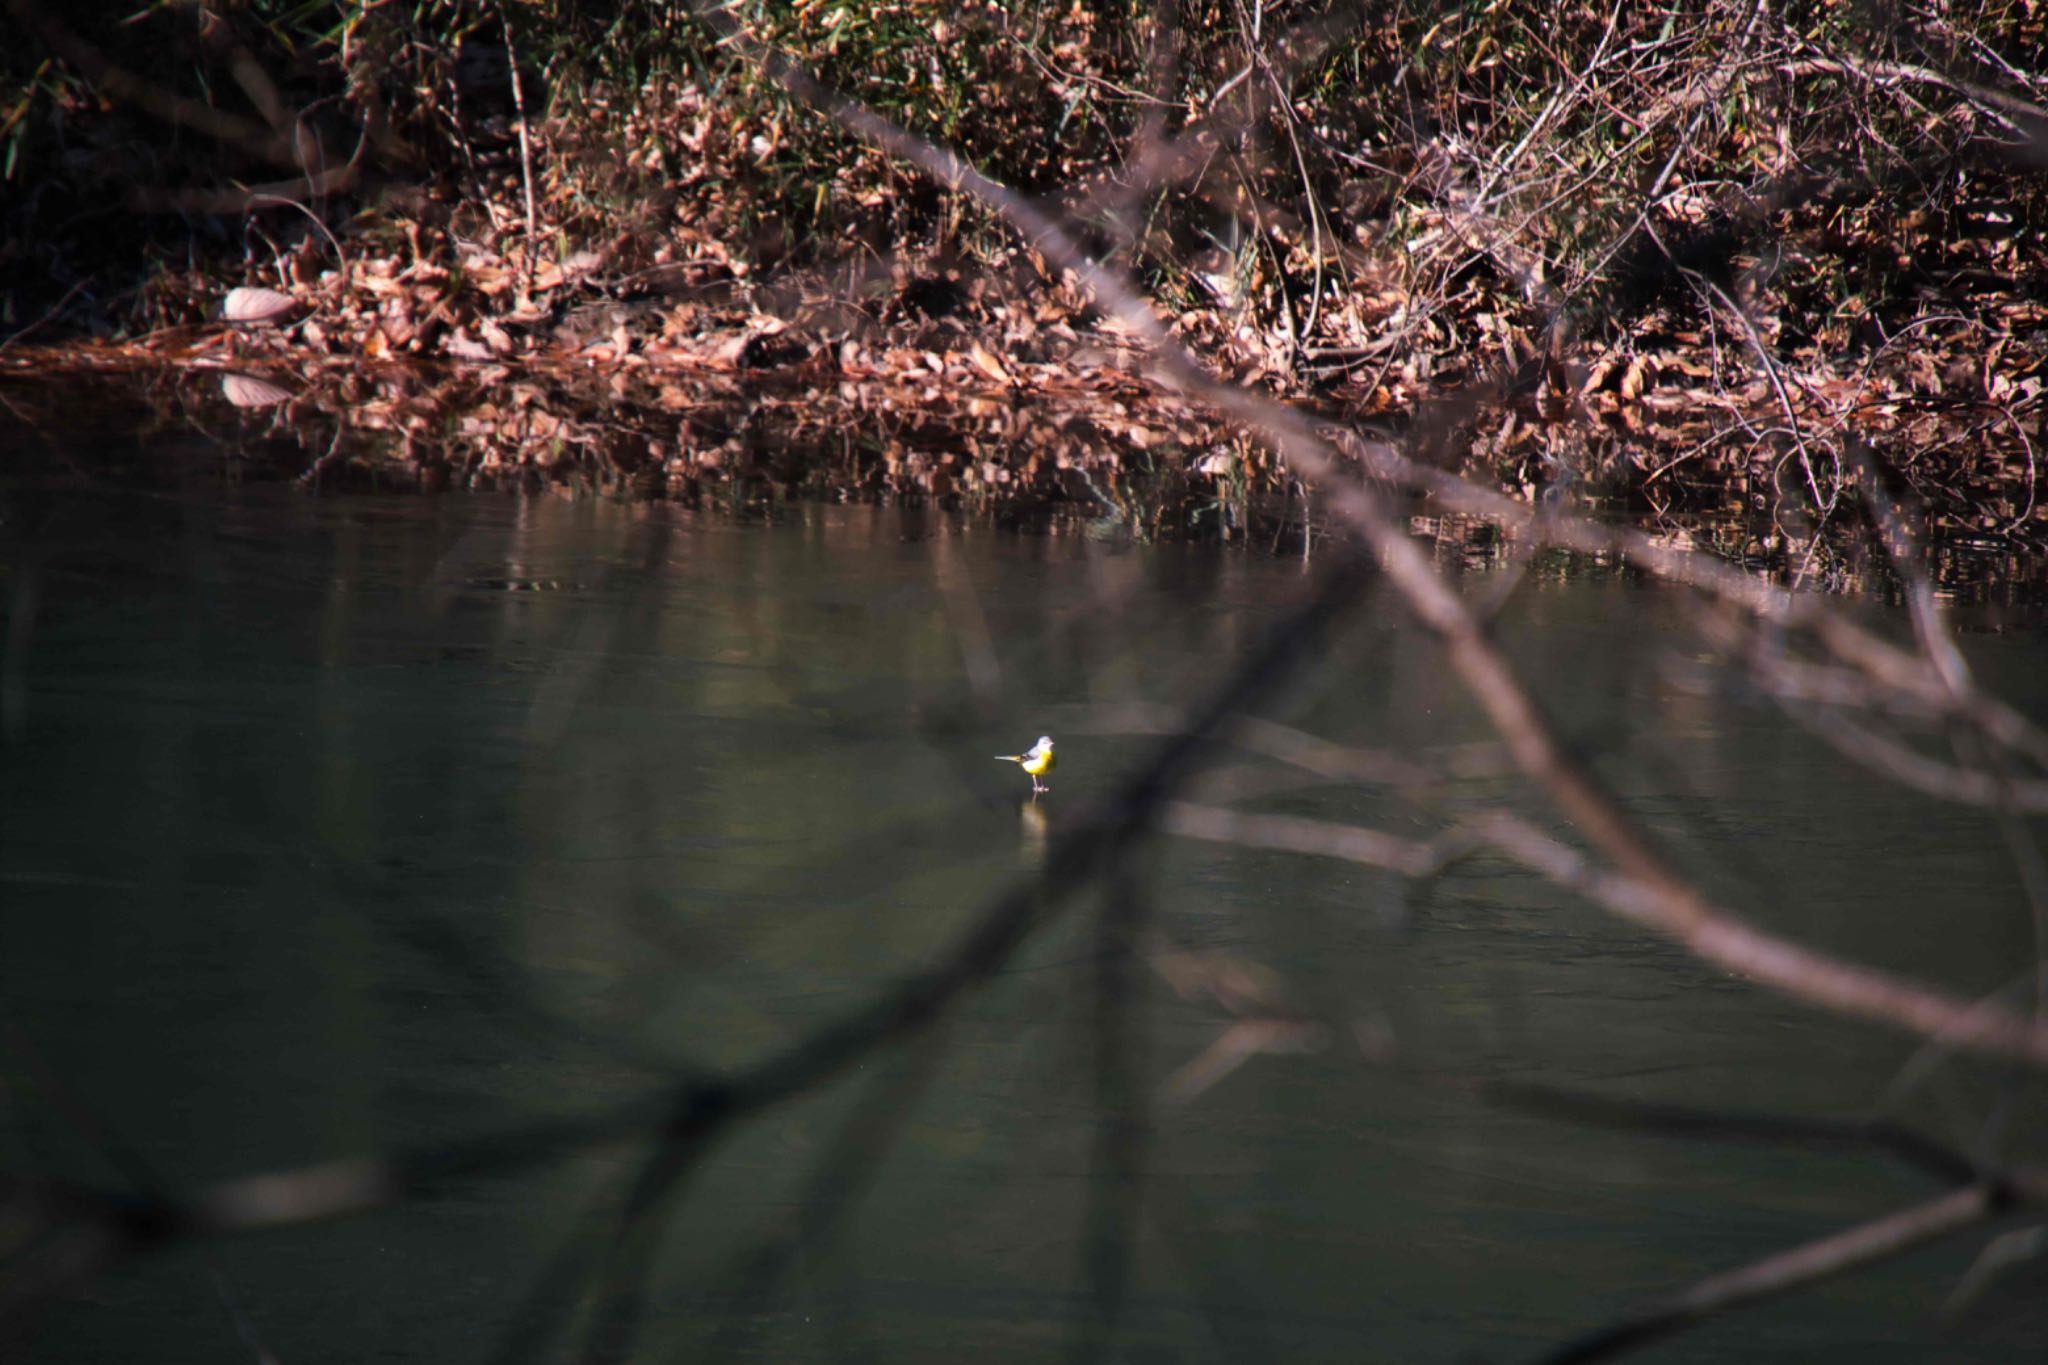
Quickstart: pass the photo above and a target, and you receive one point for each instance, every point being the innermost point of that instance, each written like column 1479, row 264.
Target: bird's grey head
column 1044, row 742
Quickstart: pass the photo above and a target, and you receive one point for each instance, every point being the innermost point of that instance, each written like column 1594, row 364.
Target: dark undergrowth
column 1668, row 256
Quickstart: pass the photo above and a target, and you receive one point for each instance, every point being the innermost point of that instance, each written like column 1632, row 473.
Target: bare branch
column 1648, row 888
column 1802, row 1265
column 1673, row 909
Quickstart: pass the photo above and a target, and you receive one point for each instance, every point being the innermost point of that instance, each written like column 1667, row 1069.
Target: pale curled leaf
column 256, row 306
column 461, row 345
column 986, row 362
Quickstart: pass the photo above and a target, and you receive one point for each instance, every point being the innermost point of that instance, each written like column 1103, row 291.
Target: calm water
column 334, row 826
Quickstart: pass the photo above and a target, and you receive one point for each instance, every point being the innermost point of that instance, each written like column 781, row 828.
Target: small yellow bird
column 1038, row 762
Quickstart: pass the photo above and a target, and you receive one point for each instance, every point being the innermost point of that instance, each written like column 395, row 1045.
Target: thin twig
column 525, row 158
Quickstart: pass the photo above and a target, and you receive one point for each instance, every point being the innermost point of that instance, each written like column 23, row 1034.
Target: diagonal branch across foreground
column 1667, row 902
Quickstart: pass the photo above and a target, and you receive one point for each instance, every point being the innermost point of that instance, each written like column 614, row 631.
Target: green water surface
column 339, row 826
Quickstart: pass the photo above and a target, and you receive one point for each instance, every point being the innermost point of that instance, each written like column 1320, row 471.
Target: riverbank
column 642, row 265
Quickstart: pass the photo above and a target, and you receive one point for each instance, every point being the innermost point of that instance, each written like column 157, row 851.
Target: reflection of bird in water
column 1038, row 762
column 1031, row 836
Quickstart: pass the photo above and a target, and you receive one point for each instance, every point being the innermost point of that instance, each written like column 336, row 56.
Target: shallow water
column 343, row 825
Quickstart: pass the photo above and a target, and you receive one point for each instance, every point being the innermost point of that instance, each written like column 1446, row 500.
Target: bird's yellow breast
column 1038, row 764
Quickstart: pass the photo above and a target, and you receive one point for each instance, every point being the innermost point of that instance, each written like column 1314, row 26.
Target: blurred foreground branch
column 1649, row 889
